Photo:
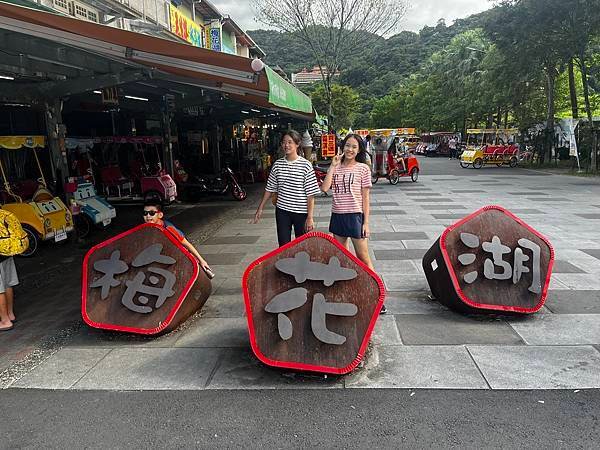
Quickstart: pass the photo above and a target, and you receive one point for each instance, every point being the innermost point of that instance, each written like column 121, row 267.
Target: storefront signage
column 184, row 27
column 110, row 95
column 282, row 93
column 16, row 142
column 328, row 148
column 215, row 39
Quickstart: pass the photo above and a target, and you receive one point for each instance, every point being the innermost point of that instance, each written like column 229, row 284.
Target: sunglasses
column 150, row 213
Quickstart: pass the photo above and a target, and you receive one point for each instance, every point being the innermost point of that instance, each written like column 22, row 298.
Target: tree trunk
column 329, row 96
column 573, row 91
column 588, row 110
column 549, row 134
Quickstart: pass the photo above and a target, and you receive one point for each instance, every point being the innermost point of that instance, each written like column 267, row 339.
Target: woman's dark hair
column 294, row 135
column 361, row 157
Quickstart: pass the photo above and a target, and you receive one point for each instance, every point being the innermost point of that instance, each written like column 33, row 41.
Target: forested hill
column 375, row 70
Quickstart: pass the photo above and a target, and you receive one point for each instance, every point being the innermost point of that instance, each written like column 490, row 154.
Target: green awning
column 282, row 93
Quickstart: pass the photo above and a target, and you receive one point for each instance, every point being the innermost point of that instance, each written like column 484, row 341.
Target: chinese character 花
column 302, row 269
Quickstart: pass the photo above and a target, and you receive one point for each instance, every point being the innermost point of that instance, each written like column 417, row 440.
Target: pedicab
column 490, row 146
column 437, row 143
column 131, row 170
column 88, row 208
column 25, row 193
column 389, row 161
column 408, row 140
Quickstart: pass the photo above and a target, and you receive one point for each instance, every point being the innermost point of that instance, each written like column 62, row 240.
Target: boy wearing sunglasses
column 153, row 214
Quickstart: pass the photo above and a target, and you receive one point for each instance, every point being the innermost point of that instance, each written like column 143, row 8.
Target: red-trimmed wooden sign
column 490, row 261
column 141, row 281
column 311, row 305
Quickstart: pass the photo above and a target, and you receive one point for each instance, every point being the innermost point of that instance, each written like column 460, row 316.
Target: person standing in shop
column 292, row 180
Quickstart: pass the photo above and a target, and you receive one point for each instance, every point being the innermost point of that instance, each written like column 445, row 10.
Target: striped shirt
column 347, row 185
column 294, row 181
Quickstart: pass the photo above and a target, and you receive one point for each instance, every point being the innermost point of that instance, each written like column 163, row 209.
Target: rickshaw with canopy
column 495, row 146
column 25, row 193
column 390, row 160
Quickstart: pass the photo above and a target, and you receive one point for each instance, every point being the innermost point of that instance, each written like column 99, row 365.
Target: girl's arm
column 336, row 161
column 366, row 193
column 259, row 211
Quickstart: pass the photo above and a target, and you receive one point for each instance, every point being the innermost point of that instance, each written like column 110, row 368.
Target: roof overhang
column 168, row 60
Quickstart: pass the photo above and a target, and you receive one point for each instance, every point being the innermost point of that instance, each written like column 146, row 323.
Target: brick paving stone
column 388, row 212
column 573, row 302
column 448, row 216
column 565, row 267
column 418, row 302
column 559, row 329
column 216, row 332
column 526, row 211
column 152, row 369
column 64, row 369
column 240, row 369
column 440, row 207
column 398, row 236
column 399, row 254
column 589, row 216
column 441, row 367
column 231, row 240
column 449, row 328
column 538, row 367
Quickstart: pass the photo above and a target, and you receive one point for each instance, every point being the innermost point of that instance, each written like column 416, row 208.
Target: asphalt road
column 358, row 418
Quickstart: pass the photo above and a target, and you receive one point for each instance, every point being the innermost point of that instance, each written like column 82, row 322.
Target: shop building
column 66, row 78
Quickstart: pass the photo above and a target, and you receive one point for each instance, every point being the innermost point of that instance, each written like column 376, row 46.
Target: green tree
column 525, row 33
column 344, row 101
column 332, row 30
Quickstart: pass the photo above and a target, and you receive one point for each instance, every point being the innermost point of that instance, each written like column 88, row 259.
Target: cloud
column 428, row 12
column 421, row 13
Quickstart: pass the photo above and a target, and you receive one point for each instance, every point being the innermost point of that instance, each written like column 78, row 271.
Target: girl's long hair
column 361, row 156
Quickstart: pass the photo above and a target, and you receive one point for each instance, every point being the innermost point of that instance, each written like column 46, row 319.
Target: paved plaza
column 419, row 343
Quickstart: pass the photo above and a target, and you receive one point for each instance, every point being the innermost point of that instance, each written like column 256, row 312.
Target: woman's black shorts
column 347, row 225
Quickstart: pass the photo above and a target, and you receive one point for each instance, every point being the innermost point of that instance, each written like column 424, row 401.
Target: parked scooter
column 193, row 186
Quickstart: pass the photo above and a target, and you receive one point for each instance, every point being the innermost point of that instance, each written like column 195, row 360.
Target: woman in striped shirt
column 293, row 179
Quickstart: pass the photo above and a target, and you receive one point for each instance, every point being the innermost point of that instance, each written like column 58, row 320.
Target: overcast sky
column 422, row 12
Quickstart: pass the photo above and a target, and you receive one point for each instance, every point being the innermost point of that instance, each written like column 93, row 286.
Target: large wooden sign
column 311, row 305
column 490, row 261
column 141, row 281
